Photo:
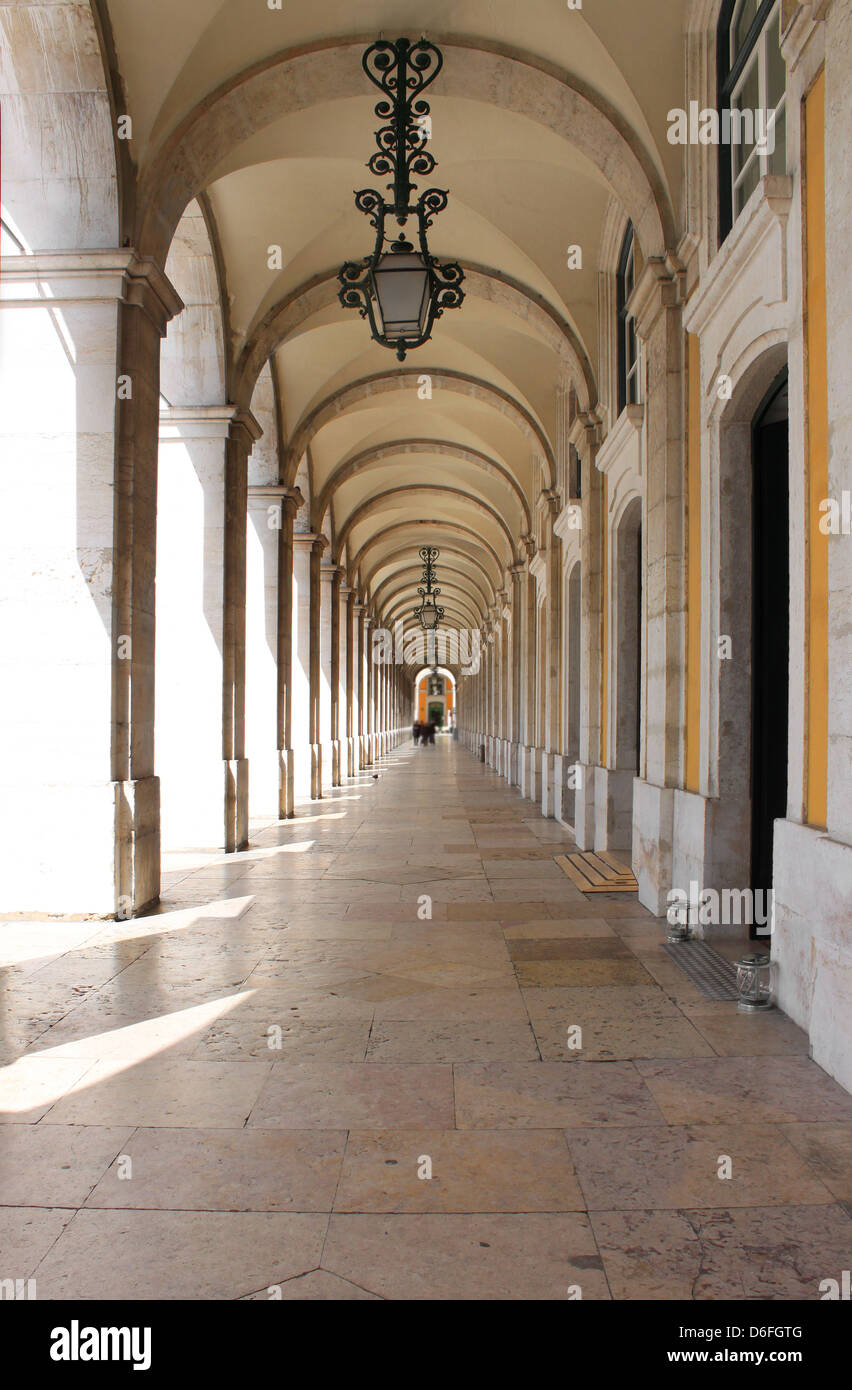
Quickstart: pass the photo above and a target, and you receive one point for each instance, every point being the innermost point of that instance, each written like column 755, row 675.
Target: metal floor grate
column 710, row 972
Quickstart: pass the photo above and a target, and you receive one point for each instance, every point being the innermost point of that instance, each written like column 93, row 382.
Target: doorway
column 770, row 616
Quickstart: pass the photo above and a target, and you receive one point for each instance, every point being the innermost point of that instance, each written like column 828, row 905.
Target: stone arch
column 289, row 316
column 351, row 467
column 423, row 489
column 193, row 369
column 62, row 88
column 471, row 560
column 454, row 527
column 474, row 69
column 412, row 573
column 729, row 688
column 455, row 603
column 405, row 379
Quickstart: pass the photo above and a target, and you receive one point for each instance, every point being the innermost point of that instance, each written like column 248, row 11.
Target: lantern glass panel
column 401, row 283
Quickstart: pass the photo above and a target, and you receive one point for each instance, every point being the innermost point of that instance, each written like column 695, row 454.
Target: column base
column 614, row 809
column 286, row 783
column 316, row 771
column 236, row 804
column 653, row 835
column 328, row 762
column 584, row 807
column 546, row 788
column 531, row 772
column 711, row 844
column 137, row 846
column 812, row 941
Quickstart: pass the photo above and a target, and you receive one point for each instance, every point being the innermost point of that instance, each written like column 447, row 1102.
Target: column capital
column 548, row 501
column 529, row 545
column 330, row 572
column 587, row 430
column 80, row 276
column 659, row 287
column 291, row 497
column 244, row 428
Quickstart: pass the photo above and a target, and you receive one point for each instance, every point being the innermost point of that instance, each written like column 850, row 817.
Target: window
column 752, row 89
column 575, row 473
column 628, row 361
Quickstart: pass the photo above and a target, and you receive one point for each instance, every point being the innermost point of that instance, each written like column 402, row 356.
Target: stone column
column 244, row 430
column 529, row 759
column 351, row 684
column 656, row 304
column 79, row 520
column 190, row 626
column 291, row 500
column 551, row 765
column 300, row 703
column 341, row 684
column 263, row 605
column 327, row 693
column 319, row 546
column 517, row 572
column 585, row 437
column 362, row 624
column 504, row 685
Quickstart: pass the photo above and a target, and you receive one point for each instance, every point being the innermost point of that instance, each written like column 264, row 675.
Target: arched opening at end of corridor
column 434, row 702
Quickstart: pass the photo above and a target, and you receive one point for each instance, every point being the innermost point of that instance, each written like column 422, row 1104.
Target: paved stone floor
column 243, row 1090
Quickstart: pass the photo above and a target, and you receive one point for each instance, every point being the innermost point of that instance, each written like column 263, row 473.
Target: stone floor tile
column 31, row 1085
column 827, row 1149
column 181, row 1092
column 26, row 1235
column 547, row 1095
column 460, row 1257
column 318, row 1095
column 418, row 1042
column 224, row 1170
column 767, row 1089
column 761, row 1254
column 317, row 1286
column 676, row 1167
column 55, row 1165
column 735, row 1034
column 545, row 974
column 459, row 1005
column 498, row 1171
column 178, row 1254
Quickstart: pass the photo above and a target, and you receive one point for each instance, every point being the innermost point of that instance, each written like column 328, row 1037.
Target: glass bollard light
column 754, row 983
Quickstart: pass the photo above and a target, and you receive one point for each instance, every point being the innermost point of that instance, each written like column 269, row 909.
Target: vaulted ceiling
column 542, row 115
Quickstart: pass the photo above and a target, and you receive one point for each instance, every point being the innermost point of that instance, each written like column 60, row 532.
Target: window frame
column 627, row 370
column 729, row 79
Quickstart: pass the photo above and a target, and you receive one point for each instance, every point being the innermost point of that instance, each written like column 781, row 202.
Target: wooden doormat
column 598, row 873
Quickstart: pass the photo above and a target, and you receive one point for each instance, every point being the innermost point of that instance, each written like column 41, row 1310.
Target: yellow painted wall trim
column 604, row 618
column 693, row 565
column 816, row 455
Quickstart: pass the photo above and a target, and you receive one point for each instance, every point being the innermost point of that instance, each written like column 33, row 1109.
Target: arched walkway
column 403, row 970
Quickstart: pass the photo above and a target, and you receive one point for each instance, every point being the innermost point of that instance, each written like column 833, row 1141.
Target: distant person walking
column 429, row 733
column 416, row 732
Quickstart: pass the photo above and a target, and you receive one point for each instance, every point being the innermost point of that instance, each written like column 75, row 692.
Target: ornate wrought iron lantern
column 428, row 613
column 754, row 983
column 403, row 289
